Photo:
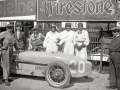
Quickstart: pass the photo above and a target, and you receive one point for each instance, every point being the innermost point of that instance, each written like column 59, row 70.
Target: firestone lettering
column 85, row 6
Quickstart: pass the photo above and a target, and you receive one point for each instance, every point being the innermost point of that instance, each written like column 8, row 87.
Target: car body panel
column 34, row 63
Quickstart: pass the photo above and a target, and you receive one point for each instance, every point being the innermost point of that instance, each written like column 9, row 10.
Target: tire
column 57, row 74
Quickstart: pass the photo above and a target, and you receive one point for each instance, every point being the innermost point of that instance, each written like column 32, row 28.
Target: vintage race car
column 57, row 68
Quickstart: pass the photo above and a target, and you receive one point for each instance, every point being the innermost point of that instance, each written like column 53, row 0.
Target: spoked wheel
column 57, row 74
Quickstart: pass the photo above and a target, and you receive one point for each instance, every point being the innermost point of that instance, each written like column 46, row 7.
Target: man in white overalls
column 51, row 40
column 67, row 37
column 81, row 42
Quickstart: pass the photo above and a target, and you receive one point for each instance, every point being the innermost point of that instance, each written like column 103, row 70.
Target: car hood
column 67, row 57
column 47, row 57
column 35, row 56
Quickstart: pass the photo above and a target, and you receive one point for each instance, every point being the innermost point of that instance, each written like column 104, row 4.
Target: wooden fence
column 95, row 36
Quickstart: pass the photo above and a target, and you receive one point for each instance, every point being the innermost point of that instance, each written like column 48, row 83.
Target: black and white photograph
column 59, row 44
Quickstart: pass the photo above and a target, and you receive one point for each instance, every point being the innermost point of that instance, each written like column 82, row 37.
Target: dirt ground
column 96, row 81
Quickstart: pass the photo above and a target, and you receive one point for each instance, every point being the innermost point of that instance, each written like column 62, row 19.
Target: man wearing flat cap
column 7, row 51
column 114, row 60
column 36, row 39
column 20, row 37
column 51, row 40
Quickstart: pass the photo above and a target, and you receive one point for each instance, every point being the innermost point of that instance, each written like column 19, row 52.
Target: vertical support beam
column 101, row 57
column 14, row 26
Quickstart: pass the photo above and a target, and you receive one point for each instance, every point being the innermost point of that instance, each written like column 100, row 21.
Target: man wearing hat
column 114, row 60
column 67, row 37
column 36, row 39
column 51, row 40
column 7, row 51
column 20, row 37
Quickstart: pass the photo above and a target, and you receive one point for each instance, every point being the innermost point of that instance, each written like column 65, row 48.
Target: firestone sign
column 77, row 10
column 17, row 8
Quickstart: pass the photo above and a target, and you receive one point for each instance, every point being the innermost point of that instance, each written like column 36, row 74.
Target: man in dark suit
column 20, row 37
column 114, row 60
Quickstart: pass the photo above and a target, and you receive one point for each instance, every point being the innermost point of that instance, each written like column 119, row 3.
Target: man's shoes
column 86, row 77
column 111, row 87
column 7, row 83
column 10, row 80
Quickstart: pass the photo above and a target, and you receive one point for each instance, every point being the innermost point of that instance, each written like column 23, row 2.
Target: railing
column 94, row 35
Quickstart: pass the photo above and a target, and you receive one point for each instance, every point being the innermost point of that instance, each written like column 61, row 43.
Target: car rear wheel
column 57, row 74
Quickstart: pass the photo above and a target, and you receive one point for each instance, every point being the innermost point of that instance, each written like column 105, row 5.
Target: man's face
column 80, row 27
column 53, row 29
column 67, row 28
column 19, row 28
column 115, row 33
column 35, row 32
column 10, row 29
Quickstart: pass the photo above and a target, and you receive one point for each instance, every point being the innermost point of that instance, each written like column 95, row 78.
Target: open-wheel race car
column 57, row 68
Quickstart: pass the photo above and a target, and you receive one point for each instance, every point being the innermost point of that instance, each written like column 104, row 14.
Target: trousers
column 6, row 57
column 115, row 69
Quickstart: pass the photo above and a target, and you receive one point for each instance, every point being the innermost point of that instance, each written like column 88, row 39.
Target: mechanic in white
column 67, row 37
column 81, row 42
column 51, row 40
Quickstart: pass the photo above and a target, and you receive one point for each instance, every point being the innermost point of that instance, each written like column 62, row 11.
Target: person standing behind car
column 67, row 39
column 81, row 42
column 7, row 51
column 20, row 37
column 51, row 40
column 36, row 39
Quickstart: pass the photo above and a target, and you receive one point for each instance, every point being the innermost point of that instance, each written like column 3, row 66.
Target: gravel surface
column 96, row 81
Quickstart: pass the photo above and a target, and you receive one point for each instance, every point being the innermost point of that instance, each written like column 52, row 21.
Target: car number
column 77, row 66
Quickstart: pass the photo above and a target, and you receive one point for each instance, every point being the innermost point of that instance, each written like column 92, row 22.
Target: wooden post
column 101, row 57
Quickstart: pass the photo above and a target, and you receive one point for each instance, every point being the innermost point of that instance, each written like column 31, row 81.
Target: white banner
column 3, row 24
column 74, row 24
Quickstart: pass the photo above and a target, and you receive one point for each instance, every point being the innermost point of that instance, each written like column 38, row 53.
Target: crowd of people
column 67, row 41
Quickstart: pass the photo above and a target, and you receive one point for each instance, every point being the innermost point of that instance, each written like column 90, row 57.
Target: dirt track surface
column 95, row 81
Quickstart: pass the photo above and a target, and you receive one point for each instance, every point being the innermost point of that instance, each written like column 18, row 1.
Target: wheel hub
column 58, row 73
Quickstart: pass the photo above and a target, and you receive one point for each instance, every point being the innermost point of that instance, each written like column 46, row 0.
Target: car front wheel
column 57, row 74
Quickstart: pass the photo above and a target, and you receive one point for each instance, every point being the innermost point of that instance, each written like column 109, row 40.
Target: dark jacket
column 115, row 44
column 21, row 41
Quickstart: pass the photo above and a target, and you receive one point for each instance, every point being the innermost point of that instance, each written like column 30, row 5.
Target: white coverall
column 68, row 40
column 80, row 39
column 51, row 41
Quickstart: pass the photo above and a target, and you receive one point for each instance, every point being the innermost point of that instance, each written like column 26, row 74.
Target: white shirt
column 51, row 37
column 82, row 37
column 18, row 34
column 67, row 36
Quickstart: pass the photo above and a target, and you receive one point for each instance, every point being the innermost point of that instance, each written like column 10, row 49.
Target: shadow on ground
column 16, row 76
column 79, row 80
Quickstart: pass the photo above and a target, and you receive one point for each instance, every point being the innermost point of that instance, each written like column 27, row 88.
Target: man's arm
column 3, row 41
column 115, row 45
column 24, row 39
column 16, row 44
